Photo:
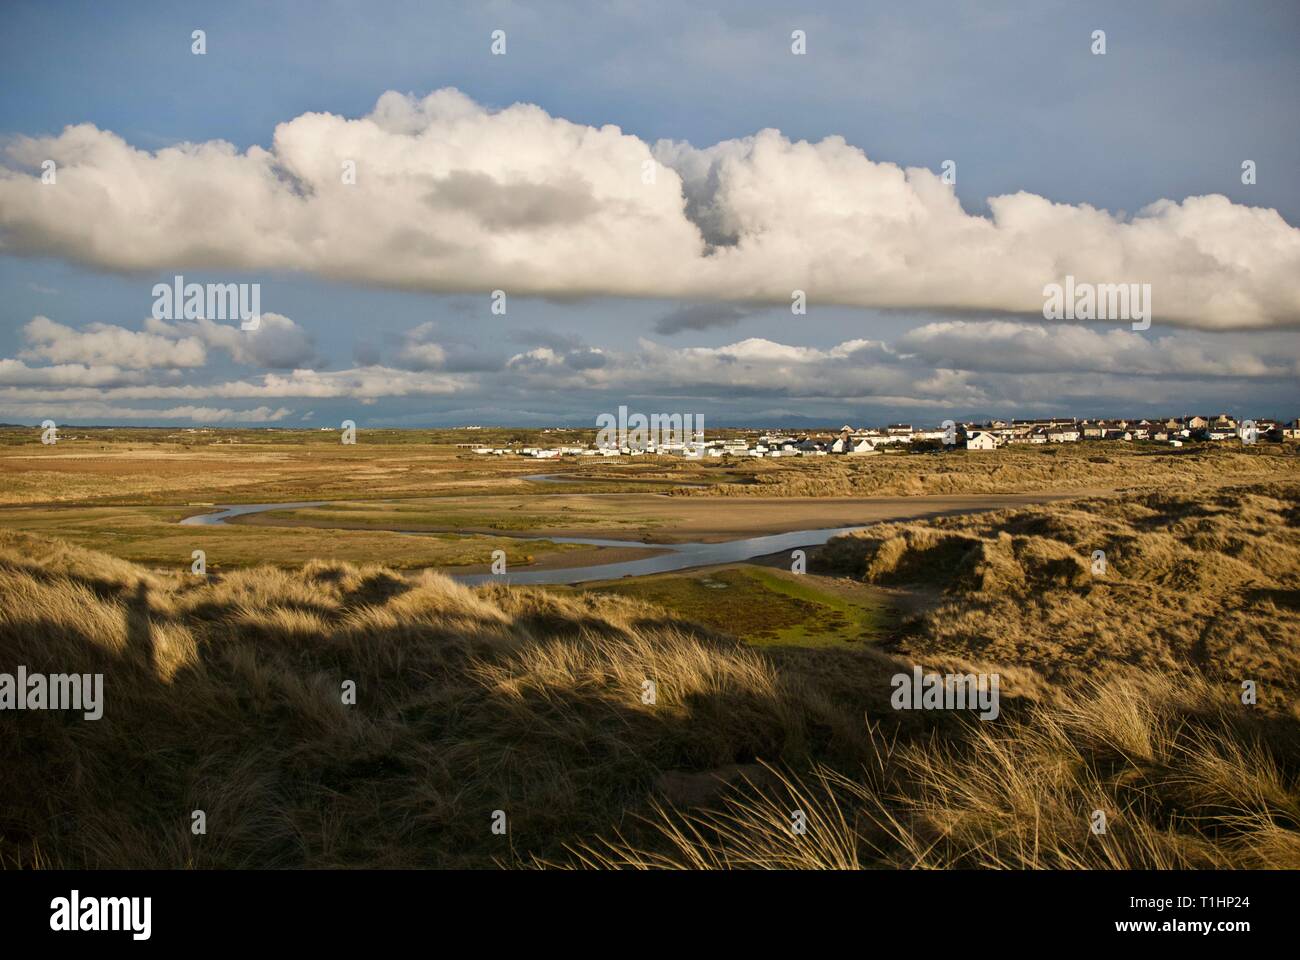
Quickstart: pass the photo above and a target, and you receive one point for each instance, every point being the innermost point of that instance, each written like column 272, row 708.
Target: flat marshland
column 1120, row 691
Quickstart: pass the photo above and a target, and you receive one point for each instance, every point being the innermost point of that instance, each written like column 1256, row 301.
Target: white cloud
column 451, row 196
column 537, row 357
column 418, row 352
column 855, row 368
column 16, row 373
column 100, row 344
column 86, row 413
column 989, row 366
column 957, row 365
column 1009, row 347
column 366, row 384
column 278, row 343
column 123, row 367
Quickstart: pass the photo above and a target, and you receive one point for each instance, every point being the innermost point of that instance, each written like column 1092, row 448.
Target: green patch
column 505, row 514
column 765, row 608
column 152, row 536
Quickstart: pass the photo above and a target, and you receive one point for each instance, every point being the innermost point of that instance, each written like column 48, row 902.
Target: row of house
column 1171, row 430
column 990, row 435
column 998, row 433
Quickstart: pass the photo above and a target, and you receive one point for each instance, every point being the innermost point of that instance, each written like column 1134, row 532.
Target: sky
column 659, row 206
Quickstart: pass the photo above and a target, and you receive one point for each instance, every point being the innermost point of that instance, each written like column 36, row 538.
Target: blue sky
column 1010, row 92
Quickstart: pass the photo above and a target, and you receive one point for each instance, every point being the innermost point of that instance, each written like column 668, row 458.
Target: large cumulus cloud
column 452, row 196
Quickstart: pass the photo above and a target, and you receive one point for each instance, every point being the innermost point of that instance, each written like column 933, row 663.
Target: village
column 903, row 437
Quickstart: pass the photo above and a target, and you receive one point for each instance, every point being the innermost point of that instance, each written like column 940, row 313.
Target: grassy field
column 1065, row 467
column 156, row 467
column 1120, row 691
column 504, row 513
column 153, row 537
column 1204, row 584
column 223, row 694
column 764, row 607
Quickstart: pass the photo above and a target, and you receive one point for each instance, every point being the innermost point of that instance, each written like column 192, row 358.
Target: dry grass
column 1069, row 467
column 1184, row 780
column 1196, row 585
column 237, row 466
column 224, row 695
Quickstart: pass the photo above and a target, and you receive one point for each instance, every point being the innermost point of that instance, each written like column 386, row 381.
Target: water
column 552, row 478
column 675, row 556
column 678, row 556
column 225, row 513
column 671, row 556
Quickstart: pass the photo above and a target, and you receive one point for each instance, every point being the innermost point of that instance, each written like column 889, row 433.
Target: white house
column 901, row 432
column 980, row 440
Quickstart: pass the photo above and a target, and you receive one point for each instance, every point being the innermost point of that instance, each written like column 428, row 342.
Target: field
column 1121, row 691
column 395, row 498
column 763, row 606
column 139, row 466
column 165, row 467
column 1091, row 466
column 1193, row 584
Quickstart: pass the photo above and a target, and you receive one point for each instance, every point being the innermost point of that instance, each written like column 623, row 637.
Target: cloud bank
column 450, row 196
column 102, row 372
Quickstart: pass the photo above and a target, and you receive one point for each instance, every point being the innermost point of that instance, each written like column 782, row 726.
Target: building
column 862, row 447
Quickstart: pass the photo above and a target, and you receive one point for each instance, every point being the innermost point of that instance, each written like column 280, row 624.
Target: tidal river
column 678, row 556
column 671, row 556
